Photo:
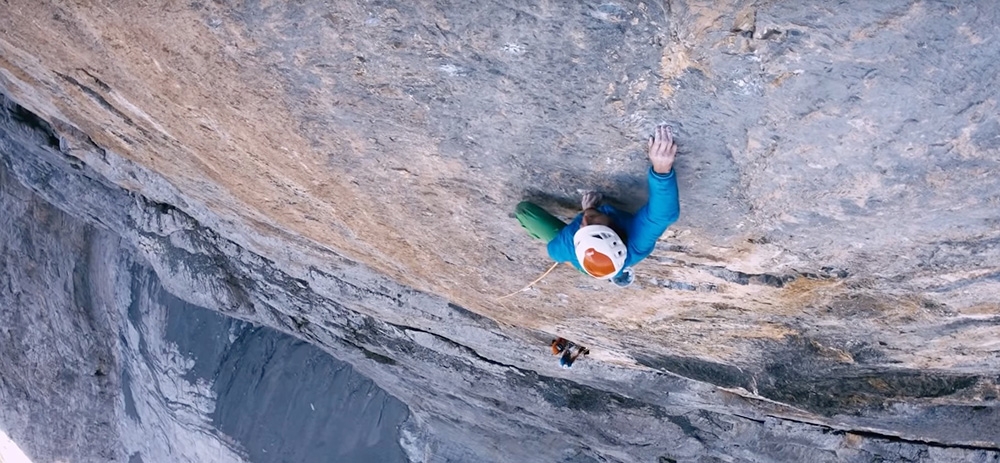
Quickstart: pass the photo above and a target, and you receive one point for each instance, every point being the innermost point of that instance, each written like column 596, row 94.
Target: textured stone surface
column 100, row 363
column 346, row 171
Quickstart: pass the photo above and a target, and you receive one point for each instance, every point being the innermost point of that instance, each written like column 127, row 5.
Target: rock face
column 101, row 363
column 345, row 174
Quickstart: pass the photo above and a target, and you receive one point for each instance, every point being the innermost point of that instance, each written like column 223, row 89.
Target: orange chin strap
column 597, row 264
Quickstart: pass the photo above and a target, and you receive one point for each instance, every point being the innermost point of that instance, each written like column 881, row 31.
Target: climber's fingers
column 591, row 199
column 671, row 146
column 661, row 141
column 662, row 149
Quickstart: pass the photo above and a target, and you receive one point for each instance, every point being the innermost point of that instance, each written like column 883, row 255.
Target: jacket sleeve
column 660, row 212
column 561, row 247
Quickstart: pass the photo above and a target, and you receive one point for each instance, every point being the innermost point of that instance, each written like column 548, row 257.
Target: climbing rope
column 553, row 267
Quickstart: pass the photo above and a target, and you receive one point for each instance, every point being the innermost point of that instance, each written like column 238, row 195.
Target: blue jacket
column 642, row 229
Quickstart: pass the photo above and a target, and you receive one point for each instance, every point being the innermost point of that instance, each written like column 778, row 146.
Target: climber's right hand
column 662, row 150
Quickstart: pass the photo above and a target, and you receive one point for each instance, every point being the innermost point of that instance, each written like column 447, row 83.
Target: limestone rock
column 346, row 173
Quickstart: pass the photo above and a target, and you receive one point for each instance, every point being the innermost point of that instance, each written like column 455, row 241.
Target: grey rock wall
column 498, row 399
column 100, row 363
column 344, row 172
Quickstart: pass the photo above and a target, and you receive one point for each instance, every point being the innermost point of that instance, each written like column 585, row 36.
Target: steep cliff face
column 101, row 363
column 345, row 173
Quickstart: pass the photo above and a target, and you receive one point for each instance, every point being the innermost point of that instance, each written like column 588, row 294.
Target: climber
column 605, row 242
column 564, row 347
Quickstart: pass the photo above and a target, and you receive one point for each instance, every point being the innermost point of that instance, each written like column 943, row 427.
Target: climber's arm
column 663, row 207
column 561, row 247
column 660, row 212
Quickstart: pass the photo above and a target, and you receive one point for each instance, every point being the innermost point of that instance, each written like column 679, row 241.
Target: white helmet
column 600, row 251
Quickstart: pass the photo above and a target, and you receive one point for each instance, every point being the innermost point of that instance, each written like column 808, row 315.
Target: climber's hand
column 591, row 200
column 662, row 150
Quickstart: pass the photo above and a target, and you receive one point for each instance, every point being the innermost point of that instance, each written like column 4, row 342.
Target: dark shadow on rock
column 557, row 205
column 562, row 393
column 627, row 191
column 624, row 191
column 26, row 119
column 466, row 313
column 803, row 373
column 719, row 374
column 130, row 409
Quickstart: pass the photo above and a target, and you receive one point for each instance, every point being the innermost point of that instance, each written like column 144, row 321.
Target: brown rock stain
column 831, row 352
column 673, row 62
column 891, row 21
column 974, row 39
column 852, row 440
column 695, row 21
